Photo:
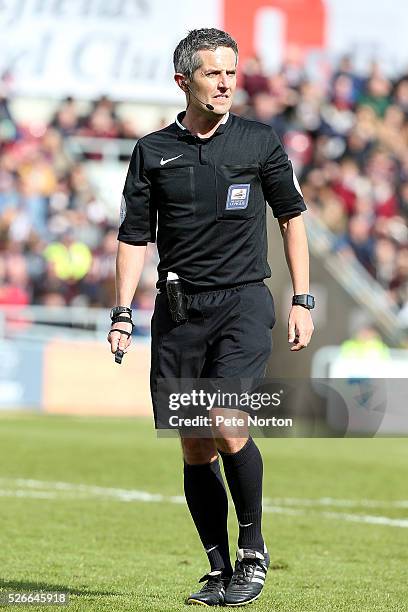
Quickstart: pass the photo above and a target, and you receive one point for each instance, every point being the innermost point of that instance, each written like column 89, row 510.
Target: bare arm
column 300, row 325
column 296, row 251
column 129, row 266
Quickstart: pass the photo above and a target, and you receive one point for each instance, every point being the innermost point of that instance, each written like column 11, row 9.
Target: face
column 215, row 81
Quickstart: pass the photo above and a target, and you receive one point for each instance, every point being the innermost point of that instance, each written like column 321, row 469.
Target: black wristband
column 118, row 310
column 304, row 299
column 122, row 320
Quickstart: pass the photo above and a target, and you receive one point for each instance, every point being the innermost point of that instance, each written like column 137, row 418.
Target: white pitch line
column 92, row 490
column 342, row 516
column 140, row 495
column 42, row 489
column 24, row 493
column 341, row 503
column 366, row 518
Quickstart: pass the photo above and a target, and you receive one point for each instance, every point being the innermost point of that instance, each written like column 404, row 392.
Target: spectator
column 14, row 281
column 360, row 241
column 400, row 95
column 267, row 109
column 346, row 68
column 66, row 120
column 71, row 259
column 385, row 261
column 8, row 127
column 254, row 78
column 377, row 95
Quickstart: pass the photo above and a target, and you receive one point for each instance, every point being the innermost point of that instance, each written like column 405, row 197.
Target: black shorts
column 228, row 335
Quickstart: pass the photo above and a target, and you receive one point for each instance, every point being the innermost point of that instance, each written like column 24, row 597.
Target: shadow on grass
column 23, row 585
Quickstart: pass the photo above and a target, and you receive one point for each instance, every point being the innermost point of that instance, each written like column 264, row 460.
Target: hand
column 300, row 327
column 117, row 340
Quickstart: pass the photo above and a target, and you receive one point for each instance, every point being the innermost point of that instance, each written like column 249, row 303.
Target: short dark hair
column 185, row 57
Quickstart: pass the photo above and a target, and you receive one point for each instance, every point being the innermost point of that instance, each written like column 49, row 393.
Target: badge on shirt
column 238, row 196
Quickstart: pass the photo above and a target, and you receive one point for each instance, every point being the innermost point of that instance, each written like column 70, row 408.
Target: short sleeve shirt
column 204, row 200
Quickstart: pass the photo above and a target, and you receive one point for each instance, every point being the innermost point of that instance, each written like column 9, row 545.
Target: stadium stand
column 346, row 137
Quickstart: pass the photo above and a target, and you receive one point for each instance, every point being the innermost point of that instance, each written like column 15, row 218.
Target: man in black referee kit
column 203, row 181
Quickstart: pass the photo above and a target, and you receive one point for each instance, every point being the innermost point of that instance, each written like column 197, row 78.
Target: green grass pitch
column 76, row 515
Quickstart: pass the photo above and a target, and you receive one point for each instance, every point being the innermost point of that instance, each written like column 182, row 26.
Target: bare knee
column 231, row 433
column 198, row 450
column 230, row 445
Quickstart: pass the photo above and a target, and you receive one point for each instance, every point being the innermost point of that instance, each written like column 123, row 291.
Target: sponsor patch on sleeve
column 296, row 183
column 238, row 196
column 122, row 214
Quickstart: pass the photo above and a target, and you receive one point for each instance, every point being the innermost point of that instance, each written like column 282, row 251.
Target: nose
column 223, row 83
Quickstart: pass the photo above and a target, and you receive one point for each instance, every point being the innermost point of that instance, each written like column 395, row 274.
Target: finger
column 308, row 339
column 302, row 337
column 308, row 336
column 298, row 342
column 291, row 331
column 128, row 342
column 123, row 341
column 302, row 341
column 114, row 340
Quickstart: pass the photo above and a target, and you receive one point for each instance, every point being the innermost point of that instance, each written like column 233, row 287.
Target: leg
column 242, row 351
column 179, row 352
column 243, row 468
column 207, row 499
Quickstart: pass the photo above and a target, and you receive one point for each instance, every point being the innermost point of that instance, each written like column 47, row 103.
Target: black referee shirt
column 207, row 199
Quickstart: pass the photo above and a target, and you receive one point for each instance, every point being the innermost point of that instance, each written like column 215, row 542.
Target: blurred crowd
column 347, row 138
column 57, row 242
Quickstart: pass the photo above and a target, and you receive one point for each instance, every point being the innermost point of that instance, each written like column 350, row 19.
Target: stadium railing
column 355, row 279
column 42, row 323
column 108, row 149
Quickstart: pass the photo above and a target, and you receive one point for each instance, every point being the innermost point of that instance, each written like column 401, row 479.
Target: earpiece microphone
column 209, row 106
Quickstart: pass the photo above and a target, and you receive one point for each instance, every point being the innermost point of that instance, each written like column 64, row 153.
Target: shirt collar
column 183, row 131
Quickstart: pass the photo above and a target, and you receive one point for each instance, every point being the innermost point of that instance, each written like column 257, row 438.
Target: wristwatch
column 304, row 299
column 118, row 310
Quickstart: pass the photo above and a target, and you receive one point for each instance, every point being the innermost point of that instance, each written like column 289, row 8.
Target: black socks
column 208, row 504
column 244, row 471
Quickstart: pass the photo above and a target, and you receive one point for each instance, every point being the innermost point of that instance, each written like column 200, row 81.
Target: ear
column 181, row 81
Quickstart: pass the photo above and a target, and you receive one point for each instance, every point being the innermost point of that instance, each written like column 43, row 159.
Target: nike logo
column 244, row 525
column 207, row 550
column 166, row 161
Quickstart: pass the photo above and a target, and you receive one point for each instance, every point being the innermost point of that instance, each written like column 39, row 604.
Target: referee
column 202, row 183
